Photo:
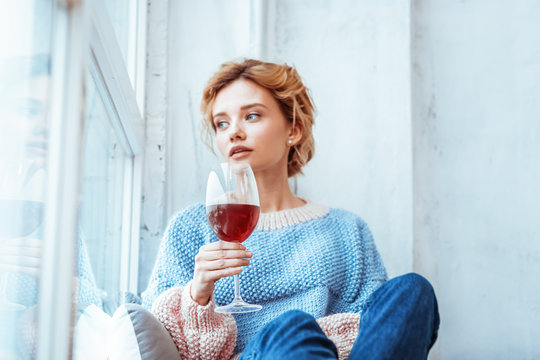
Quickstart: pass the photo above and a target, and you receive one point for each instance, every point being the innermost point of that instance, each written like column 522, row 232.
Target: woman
column 315, row 270
column 24, row 90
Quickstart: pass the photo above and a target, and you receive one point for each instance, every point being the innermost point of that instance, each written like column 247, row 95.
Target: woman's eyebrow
column 249, row 106
column 243, row 108
column 219, row 114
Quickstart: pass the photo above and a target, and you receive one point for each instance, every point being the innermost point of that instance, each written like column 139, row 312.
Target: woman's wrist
column 201, row 298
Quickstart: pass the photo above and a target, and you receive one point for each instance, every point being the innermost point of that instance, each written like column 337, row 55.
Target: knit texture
column 318, row 260
column 342, row 329
column 200, row 333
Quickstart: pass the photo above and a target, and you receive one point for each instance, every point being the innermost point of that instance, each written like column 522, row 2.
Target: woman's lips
column 240, row 154
column 37, row 144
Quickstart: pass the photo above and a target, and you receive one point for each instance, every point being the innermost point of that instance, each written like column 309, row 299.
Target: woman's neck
column 275, row 193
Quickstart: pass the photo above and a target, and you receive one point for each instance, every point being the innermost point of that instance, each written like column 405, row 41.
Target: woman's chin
column 37, row 155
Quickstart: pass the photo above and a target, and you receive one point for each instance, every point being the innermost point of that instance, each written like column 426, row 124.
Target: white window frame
column 83, row 29
column 129, row 127
column 66, row 124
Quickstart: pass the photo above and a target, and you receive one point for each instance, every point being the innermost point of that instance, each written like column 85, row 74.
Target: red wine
column 19, row 218
column 233, row 222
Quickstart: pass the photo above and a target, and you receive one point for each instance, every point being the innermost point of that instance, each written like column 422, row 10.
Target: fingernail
column 250, row 254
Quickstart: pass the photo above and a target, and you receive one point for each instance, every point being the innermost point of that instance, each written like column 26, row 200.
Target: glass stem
column 237, row 297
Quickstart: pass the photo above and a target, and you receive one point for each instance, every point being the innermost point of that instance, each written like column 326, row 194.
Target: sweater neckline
column 283, row 218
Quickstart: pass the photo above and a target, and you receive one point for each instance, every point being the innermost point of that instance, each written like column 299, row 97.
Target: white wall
column 476, row 112
column 153, row 217
column 428, row 127
column 354, row 55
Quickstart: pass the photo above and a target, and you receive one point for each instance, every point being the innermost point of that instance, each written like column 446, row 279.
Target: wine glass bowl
column 232, row 208
column 18, row 219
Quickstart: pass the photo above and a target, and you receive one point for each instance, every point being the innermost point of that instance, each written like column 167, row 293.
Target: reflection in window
column 24, row 90
column 102, row 194
column 123, row 15
column 25, row 71
column 119, row 13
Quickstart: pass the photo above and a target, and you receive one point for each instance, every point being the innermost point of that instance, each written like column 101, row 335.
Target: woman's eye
column 29, row 108
column 221, row 124
column 28, row 111
column 252, row 117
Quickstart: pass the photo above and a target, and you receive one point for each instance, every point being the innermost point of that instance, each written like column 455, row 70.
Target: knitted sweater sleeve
column 366, row 274
column 342, row 329
column 198, row 331
column 370, row 272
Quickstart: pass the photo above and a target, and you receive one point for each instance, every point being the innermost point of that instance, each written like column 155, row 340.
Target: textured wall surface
column 476, row 115
column 354, row 55
column 153, row 217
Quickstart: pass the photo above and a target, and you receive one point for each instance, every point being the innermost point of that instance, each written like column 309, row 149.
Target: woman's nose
column 236, row 131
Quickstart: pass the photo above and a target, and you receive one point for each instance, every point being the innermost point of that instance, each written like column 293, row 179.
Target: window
column 128, row 19
column 114, row 124
column 25, row 67
column 100, row 219
column 69, row 180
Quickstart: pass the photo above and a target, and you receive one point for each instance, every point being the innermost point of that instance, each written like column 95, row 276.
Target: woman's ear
column 295, row 134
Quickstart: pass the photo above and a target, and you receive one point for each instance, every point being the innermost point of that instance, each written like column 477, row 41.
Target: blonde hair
column 286, row 87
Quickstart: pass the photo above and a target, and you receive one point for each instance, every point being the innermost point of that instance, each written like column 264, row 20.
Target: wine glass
column 18, row 219
column 232, row 208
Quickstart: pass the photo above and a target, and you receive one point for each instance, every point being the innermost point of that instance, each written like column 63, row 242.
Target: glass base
column 238, row 307
column 10, row 306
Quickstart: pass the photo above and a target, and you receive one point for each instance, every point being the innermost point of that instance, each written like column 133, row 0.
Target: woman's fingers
column 20, row 251
column 21, row 255
column 222, row 250
column 224, row 254
column 213, row 262
column 219, row 274
column 21, row 260
column 222, row 264
column 21, row 246
column 202, row 277
column 30, row 270
column 26, row 242
column 223, row 245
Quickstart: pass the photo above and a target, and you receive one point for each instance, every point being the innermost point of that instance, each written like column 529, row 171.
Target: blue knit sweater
column 319, row 260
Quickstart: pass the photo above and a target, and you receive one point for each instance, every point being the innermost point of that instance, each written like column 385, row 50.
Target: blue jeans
column 400, row 321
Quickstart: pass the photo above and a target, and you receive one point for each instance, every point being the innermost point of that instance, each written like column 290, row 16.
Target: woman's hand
column 213, row 262
column 21, row 255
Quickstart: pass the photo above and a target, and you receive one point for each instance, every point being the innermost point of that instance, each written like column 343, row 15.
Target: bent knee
column 415, row 283
column 295, row 317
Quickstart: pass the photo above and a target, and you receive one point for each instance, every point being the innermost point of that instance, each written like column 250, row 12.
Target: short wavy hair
column 19, row 69
column 286, row 87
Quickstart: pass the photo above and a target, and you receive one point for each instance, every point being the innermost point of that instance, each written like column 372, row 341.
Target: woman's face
column 250, row 126
column 24, row 126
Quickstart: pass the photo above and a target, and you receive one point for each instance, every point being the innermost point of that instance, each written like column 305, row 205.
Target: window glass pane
column 120, row 13
column 25, row 67
column 104, row 161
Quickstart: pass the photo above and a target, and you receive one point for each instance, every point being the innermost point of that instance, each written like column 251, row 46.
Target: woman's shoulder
column 191, row 210
column 346, row 216
column 190, row 216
